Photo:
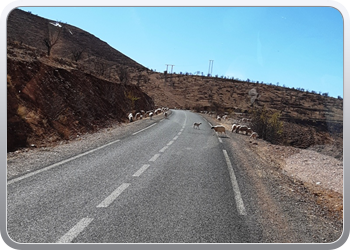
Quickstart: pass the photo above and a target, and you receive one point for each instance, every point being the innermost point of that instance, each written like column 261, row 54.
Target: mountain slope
column 53, row 98
column 31, row 30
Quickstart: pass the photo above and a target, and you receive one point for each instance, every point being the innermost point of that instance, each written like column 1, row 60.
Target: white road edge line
column 169, row 143
column 220, row 140
column 141, row 170
column 75, row 231
column 58, row 163
column 144, row 129
column 154, row 158
column 114, row 195
column 236, row 191
column 175, row 138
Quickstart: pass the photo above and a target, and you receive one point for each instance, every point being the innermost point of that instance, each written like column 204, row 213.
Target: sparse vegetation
column 132, row 99
column 53, row 34
column 267, row 124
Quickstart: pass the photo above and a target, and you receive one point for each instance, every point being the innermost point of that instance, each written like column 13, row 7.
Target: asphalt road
column 167, row 183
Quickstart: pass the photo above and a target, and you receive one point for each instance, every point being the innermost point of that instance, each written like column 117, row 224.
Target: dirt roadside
column 292, row 207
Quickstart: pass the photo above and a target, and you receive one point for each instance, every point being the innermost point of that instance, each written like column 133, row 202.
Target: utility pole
column 167, row 65
column 166, row 73
column 210, row 71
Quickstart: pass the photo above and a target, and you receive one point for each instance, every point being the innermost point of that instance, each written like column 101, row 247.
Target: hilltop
column 79, row 73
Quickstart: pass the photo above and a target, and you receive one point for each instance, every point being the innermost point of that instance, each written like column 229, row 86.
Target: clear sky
column 300, row 47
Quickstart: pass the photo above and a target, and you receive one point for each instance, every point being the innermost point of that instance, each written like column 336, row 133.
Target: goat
column 234, row 126
column 237, row 128
column 147, row 113
column 196, row 125
column 137, row 115
column 165, row 114
column 219, row 129
column 254, row 135
column 157, row 111
column 130, row 117
column 249, row 130
column 242, row 129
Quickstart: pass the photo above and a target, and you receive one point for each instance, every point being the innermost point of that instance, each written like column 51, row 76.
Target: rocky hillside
column 309, row 119
column 63, row 71
column 51, row 98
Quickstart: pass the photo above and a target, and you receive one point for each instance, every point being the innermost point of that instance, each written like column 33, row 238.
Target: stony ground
column 299, row 202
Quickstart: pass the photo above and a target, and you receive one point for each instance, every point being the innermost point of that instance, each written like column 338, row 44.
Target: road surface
column 166, row 183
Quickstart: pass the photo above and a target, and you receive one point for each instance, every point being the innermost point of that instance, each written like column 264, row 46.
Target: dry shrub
column 267, row 124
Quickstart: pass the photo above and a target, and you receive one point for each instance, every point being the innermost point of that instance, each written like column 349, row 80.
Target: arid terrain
column 81, row 85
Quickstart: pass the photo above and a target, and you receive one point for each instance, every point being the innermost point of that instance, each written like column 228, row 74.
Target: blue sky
column 300, row 47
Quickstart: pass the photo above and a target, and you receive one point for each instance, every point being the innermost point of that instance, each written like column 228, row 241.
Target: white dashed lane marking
column 163, row 149
column 155, row 157
column 106, row 202
column 75, row 231
column 141, row 170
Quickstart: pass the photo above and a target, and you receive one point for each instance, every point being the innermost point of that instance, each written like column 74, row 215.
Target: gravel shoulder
column 300, row 194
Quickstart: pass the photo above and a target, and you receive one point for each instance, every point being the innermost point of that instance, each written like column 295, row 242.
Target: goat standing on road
column 219, row 129
column 196, row 125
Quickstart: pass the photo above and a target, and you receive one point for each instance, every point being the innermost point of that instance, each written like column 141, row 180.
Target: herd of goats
column 150, row 113
column 235, row 127
column 218, row 128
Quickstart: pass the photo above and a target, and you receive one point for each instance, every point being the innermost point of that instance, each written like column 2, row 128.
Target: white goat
column 130, row 117
column 234, row 126
column 249, row 130
column 242, row 128
column 137, row 115
column 254, row 135
column 147, row 113
column 157, row 111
